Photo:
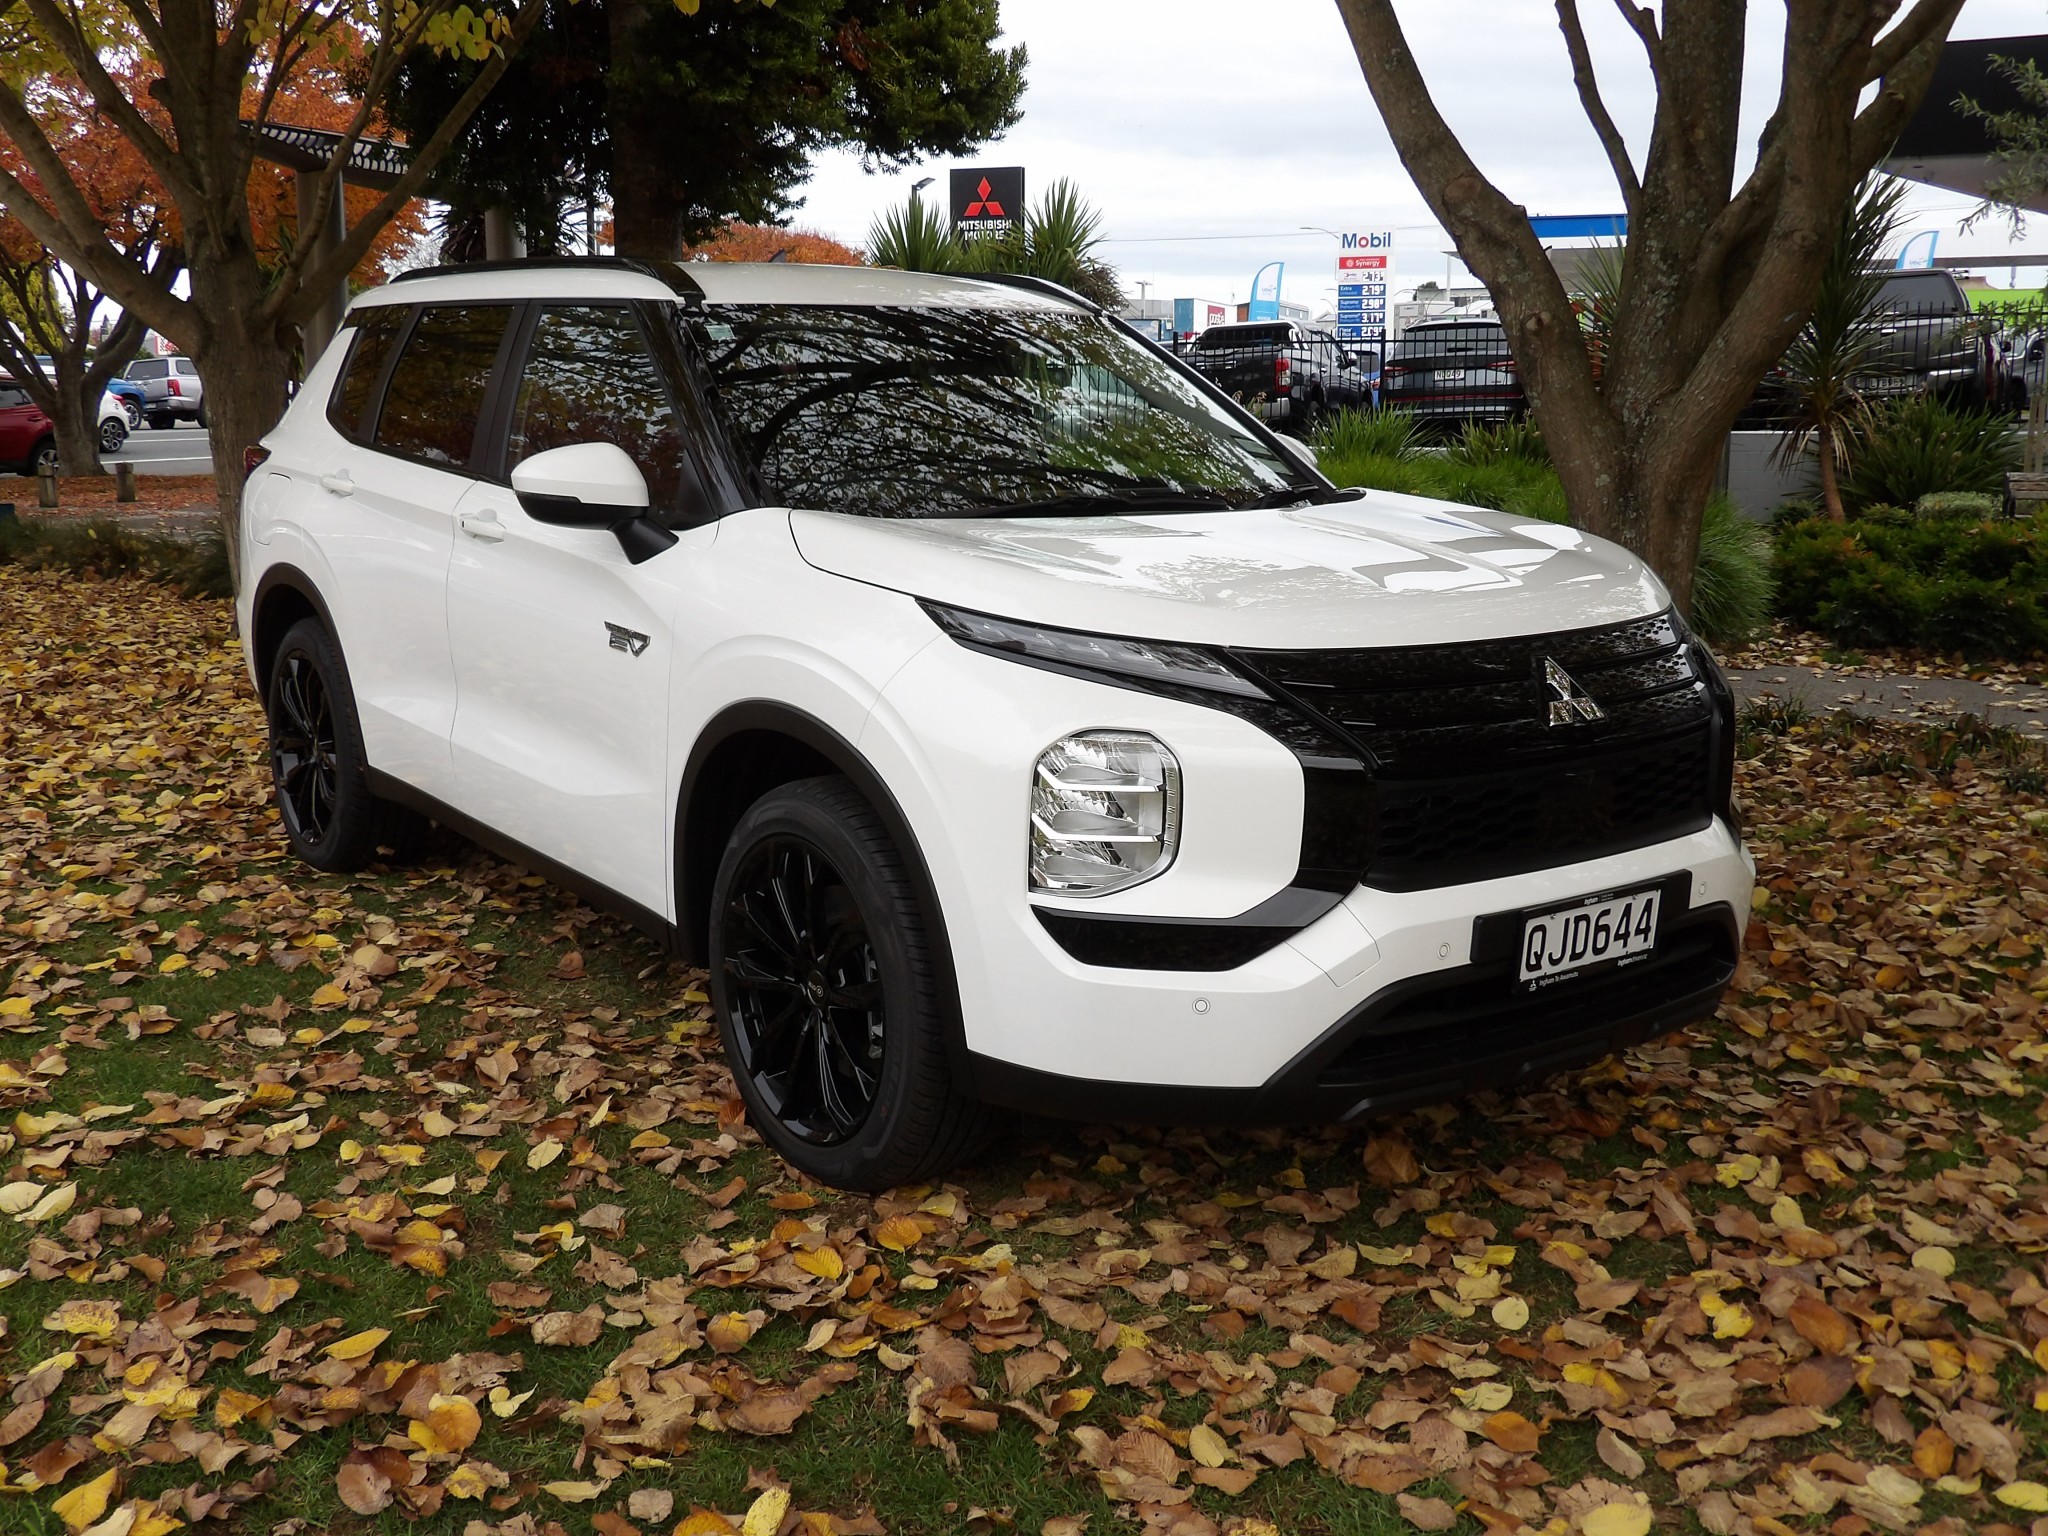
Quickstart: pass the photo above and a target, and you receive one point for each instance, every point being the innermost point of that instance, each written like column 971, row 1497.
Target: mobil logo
column 1366, row 240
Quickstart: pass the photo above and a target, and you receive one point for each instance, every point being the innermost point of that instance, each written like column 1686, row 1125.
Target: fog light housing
column 1105, row 813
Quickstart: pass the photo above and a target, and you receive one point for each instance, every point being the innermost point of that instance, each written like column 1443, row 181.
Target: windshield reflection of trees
column 927, row 412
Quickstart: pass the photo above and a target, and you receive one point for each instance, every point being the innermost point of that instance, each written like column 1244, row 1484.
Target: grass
column 84, row 821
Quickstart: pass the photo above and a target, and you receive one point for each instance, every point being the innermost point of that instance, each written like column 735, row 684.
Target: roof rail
column 1032, row 284
column 669, row 273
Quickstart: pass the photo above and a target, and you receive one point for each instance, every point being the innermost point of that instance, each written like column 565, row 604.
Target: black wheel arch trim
column 693, row 925
column 286, row 577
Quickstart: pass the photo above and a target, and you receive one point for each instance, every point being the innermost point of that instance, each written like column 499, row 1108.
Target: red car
column 28, row 441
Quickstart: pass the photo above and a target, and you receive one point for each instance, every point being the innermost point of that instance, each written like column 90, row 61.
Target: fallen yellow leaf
column 84, row 1504
column 1616, row 1520
column 2031, row 1497
column 357, row 1345
column 765, row 1517
column 451, row 1425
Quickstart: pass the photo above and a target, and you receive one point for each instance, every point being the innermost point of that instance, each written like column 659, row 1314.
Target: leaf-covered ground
column 422, row 1201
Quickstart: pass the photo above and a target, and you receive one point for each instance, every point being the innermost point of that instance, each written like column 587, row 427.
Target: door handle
column 482, row 525
column 339, row 484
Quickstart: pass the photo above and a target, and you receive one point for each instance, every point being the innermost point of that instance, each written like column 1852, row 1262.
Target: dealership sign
column 987, row 203
column 1365, row 268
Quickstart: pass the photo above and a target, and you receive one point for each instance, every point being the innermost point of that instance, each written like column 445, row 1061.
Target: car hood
column 1384, row 569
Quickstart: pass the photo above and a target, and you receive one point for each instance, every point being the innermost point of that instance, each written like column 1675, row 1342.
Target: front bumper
column 1423, row 1039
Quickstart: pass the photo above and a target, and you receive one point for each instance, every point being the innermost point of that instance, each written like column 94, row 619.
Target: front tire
column 331, row 819
column 832, row 1003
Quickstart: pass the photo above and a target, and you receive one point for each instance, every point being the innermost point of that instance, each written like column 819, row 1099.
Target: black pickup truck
column 1928, row 342
column 1289, row 375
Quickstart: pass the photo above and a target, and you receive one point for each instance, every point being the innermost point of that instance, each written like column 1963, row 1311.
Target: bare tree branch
column 425, row 158
column 1643, row 23
column 1596, row 109
column 1928, row 19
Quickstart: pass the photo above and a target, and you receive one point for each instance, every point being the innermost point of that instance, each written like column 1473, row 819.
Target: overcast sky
column 1209, row 131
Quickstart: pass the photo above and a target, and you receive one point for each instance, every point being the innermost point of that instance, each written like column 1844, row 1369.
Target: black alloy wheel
column 317, row 762
column 303, row 749
column 804, row 990
column 835, row 996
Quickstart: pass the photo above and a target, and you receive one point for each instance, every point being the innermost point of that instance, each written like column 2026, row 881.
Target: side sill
column 602, row 897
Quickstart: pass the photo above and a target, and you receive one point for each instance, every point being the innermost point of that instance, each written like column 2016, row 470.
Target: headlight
column 1105, row 813
column 1150, row 662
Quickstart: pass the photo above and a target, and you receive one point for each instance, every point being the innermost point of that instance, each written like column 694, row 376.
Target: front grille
column 1470, row 780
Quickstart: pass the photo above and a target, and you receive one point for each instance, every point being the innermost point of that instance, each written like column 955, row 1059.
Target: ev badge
column 1572, row 702
column 631, row 641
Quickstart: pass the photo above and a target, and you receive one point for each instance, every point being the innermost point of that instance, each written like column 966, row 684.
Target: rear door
column 563, row 649
column 385, row 516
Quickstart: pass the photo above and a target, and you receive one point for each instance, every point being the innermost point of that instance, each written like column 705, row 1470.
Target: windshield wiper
column 1084, row 503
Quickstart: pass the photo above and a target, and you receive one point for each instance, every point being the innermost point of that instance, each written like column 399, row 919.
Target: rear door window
column 590, row 378
column 376, row 331
column 154, row 368
column 436, row 394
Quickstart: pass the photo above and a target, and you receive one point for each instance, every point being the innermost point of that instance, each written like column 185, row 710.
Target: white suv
column 1001, row 714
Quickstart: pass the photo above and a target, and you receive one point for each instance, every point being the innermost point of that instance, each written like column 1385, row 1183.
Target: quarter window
column 11, row 397
column 437, row 390
column 589, row 378
column 376, row 331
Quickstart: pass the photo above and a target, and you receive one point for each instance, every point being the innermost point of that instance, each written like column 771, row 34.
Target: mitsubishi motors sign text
column 1365, row 268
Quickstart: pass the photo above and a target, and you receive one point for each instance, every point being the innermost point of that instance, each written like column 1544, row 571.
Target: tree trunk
column 1830, row 485
column 1645, row 488
column 648, row 213
column 78, row 436
column 247, row 387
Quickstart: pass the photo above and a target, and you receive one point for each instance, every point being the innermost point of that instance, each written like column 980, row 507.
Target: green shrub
column 103, row 548
column 1921, row 446
column 1519, row 440
column 1971, row 504
column 1357, row 436
column 1732, row 585
column 1942, row 584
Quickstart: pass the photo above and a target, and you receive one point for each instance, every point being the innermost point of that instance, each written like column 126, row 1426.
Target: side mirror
column 1302, row 453
column 591, row 485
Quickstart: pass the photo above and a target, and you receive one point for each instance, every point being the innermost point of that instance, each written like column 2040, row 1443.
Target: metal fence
column 1456, row 369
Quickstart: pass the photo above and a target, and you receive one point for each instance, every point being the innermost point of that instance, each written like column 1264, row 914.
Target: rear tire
column 160, row 421
column 331, row 818
column 113, row 433
column 832, row 1003
column 43, row 459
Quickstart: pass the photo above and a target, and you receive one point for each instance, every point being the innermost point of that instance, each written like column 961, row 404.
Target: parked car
column 132, row 397
column 1003, row 715
column 1288, row 375
column 172, row 390
column 113, row 419
column 1454, row 369
column 28, row 441
column 1929, row 342
column 28, row 438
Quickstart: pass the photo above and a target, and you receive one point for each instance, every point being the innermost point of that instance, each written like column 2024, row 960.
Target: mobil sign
column 1365, row 262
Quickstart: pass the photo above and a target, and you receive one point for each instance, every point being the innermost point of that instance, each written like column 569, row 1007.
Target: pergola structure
column 373, row 163
column 1944, row 146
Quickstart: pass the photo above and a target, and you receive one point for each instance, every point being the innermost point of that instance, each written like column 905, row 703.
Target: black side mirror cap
column 638, row 534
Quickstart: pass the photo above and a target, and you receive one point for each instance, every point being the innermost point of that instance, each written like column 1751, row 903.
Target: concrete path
column 1920, row 700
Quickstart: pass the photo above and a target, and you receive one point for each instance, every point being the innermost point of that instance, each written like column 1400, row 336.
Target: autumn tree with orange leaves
column 51, row 309
column 202, row 73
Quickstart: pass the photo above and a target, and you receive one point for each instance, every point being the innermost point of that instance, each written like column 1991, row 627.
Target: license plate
column 1569, row 941
column 1450, row 375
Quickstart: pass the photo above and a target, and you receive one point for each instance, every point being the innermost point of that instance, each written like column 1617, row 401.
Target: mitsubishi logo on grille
column 1572, row 703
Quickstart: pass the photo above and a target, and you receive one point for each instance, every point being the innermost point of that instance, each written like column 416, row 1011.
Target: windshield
column 901, row 412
